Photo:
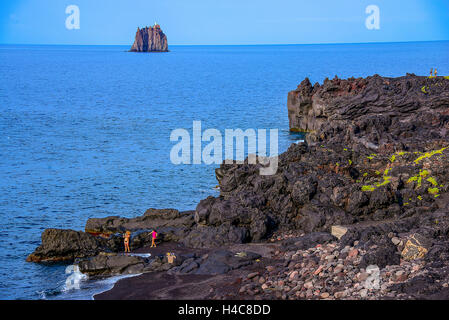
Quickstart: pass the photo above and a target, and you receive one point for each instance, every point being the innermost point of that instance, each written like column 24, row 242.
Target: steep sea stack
column 150, row 39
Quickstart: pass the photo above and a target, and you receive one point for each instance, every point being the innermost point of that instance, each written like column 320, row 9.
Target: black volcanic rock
column 378, row 153
column 112, row 265
column 378, row 149
column 150, row 39
column 375, row 112
column 151, row 219
column 66, row 245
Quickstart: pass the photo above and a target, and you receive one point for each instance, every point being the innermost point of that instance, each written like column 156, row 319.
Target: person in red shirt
column 153, row 238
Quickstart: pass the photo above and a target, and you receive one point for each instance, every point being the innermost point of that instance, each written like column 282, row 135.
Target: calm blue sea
column 84, row 130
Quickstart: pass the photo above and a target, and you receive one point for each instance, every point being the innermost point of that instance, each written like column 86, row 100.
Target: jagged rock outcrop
column 102, row 265
column 378, row 149
column 151, row 219
column 375, row 112
column 66, row 245
column 106, row 235
column 150, row 39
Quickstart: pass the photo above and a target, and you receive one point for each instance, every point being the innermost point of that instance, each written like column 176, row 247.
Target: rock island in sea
column 150, row 39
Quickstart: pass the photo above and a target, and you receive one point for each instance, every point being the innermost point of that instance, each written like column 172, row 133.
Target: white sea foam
column 78, row 286
column 42, row 295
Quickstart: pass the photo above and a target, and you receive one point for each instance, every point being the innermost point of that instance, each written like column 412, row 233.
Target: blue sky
column 223, row 21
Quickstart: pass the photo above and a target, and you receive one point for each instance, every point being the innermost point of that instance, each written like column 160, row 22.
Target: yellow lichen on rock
column 430, row 154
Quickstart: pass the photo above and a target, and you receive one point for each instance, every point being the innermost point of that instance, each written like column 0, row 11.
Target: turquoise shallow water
column 85, row 129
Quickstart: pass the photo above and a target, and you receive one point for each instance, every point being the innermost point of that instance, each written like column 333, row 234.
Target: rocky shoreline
column 359, row 211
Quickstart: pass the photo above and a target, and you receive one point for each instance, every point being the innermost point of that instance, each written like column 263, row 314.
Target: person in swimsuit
column 127, row 235
column 435, row 72
column 431, row 72
column 153, row 238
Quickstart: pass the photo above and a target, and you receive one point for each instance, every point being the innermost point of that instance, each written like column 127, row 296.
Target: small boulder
column 416, row 247
column 338, row 231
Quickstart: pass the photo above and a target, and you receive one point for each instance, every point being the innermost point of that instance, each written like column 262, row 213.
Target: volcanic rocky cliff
column 150, row 39
column 373, row 176
column 375, row 112
column 377, row 149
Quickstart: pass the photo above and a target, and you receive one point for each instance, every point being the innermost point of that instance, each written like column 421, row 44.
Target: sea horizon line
column 227, row 45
